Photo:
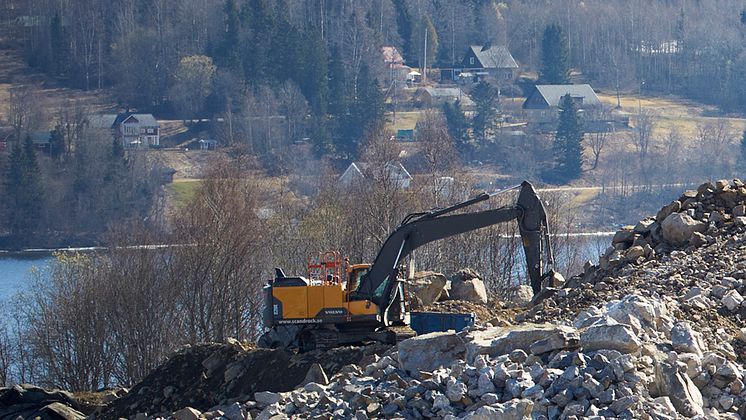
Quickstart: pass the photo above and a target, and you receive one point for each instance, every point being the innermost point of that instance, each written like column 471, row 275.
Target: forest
column 319, row 59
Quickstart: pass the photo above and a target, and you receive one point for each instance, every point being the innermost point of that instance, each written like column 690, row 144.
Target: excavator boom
column 422, row 228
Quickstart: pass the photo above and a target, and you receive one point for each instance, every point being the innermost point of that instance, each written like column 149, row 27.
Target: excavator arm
column 422, row 228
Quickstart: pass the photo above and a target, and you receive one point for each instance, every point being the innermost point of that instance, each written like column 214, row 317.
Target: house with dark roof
column 135, row 130
column 494, row 61
column 542, row 103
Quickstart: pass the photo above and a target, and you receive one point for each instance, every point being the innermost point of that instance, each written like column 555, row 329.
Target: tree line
column 70, row 189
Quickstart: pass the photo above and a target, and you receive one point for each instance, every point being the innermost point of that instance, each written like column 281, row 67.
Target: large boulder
column 466, row 285
column 618, row 337
column 515, row 409
column 497, row 341
column 427, row 286
column 685, row 340
column 427, row 352
column 520, row 296
column 29, row 401
column 677, row 228
column 684, row 395
column 61, row 411
column 652, row 314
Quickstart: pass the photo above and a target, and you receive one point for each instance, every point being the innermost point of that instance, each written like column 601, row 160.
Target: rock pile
column 428, row 287
column 213, row 374
column 631, row 358
column 695, row 219
column 28, row 401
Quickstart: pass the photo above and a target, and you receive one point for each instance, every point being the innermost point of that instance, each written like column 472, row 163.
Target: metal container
column 427, row 322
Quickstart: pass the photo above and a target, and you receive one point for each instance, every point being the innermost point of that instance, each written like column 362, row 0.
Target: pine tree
column 418, row 41
column 57, row 142
column 60, row 54
column 257, row 62
column 227, row 55
column 485, row 99
column 337, row 84
column 366, row 109
column 743, row 150
column 555, row 68
column 312, row 76
column 458, row 126
column 568, row 141
column 24, row 188
column 404, row 28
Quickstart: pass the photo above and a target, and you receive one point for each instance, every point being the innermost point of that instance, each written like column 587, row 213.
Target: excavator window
column 356, row 277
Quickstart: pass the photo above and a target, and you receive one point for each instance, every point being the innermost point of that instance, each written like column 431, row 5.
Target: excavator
column 357, row 303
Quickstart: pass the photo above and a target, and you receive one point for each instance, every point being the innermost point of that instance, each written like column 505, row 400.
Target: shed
column 167, row 175
column 208, row 144
column 437, row 96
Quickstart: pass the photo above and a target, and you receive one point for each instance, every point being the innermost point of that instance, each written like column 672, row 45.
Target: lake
column 16, row 272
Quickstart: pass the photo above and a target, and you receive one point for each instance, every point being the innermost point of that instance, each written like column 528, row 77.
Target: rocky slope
column 656, row 330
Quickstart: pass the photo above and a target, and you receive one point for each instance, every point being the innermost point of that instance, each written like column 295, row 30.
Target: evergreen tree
column 568, row 141
column 313, row 73
column 485, row 98
column 369, row 98
column 60, row 54
column 287, row 65
column 258, row 42
column 458, row 126
column 555, row 67
column 743, row 150
column 418, row 42
column 366, row 109
column 227, row 54
column 404, row 28
column 337, row 85
column 57, row 142
column 24, row 188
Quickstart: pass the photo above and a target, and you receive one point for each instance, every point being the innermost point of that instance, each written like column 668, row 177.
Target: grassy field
column 671, row 113
column 182, row 191
column 405, row 120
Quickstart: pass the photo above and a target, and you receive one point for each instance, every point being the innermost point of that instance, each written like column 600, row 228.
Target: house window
column 471, row 60
column 150, row 131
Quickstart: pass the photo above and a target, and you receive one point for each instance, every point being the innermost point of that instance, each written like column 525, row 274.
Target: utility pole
column 424, row 70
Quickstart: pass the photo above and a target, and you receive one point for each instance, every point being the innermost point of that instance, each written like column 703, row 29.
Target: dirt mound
column 211, row 374
column 492, row 312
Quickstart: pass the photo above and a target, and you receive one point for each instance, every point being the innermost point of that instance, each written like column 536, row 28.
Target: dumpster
column 427, row 322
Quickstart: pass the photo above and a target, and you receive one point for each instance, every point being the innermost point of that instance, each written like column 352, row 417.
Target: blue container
column 427, row 322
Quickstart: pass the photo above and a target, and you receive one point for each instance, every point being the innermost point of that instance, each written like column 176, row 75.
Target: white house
column 393, row 171
column 135, row 130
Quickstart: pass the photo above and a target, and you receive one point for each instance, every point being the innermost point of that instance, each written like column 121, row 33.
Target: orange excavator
column 341, row 303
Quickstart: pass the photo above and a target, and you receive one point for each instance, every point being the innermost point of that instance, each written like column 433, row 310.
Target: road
column 626, row 187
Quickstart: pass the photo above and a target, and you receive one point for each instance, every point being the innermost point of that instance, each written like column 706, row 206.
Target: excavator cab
column 355, row 273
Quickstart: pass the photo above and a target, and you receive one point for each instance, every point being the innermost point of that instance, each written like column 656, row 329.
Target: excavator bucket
column 552, row 279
